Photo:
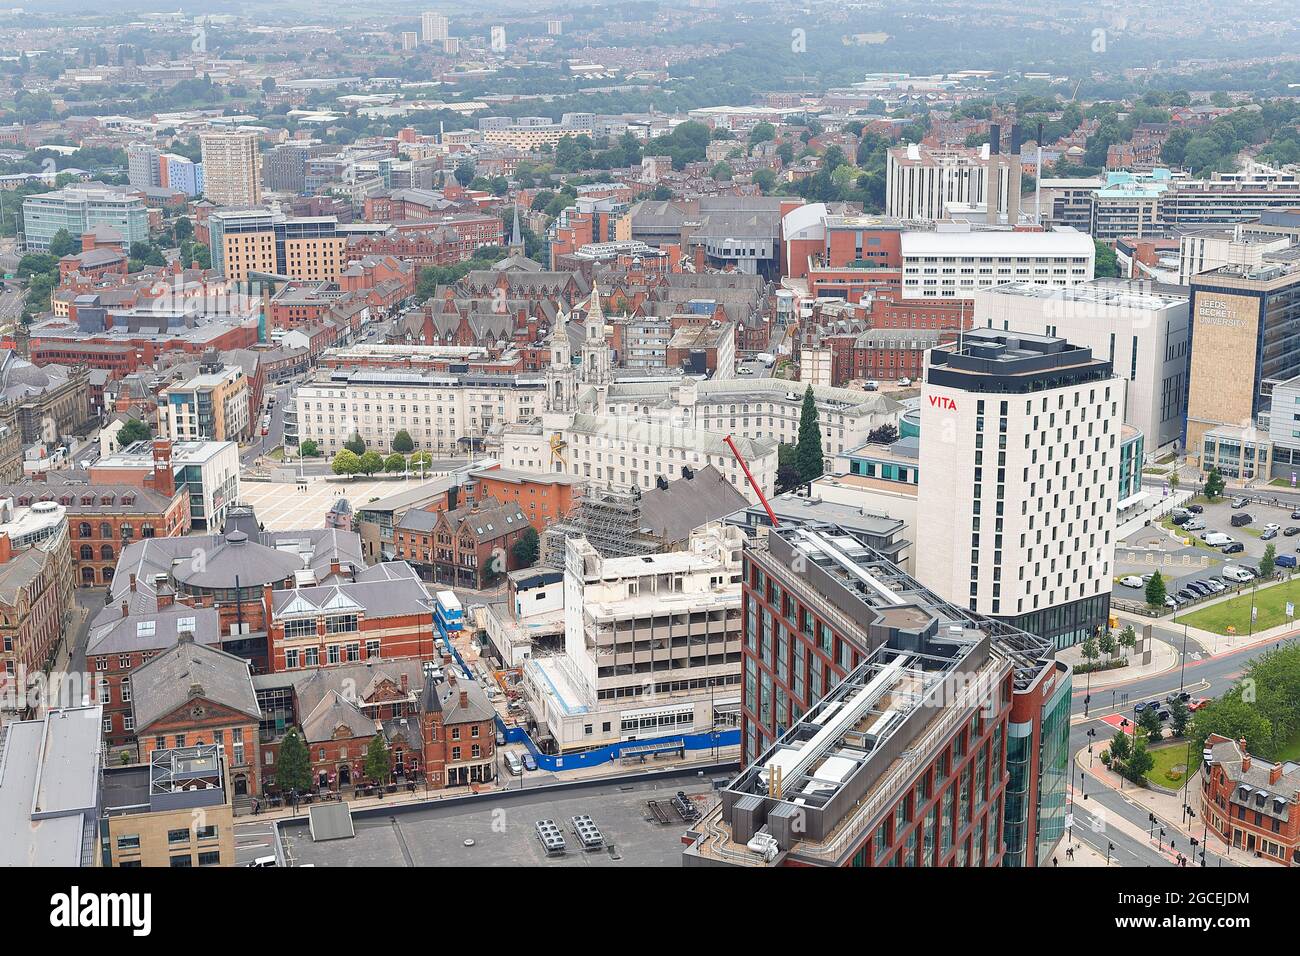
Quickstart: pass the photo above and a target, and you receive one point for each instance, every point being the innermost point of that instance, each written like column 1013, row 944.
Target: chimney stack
column 464, row 700
column 132, row 580
column 1245, row 755
column 125, row 609
column 1275, row 773
column 406, row 684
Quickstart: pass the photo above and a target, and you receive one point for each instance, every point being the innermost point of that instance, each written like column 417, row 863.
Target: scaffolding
column 610, row 521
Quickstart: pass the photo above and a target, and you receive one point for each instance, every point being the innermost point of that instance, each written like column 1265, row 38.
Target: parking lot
column 502, row 829
column 1217, row 517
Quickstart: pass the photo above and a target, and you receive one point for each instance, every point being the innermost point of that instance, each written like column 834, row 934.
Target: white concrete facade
column 1144, row 334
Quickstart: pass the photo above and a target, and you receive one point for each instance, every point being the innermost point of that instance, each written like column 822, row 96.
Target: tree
column 886, row 434
column 762, row 133
column 1173, row 481
column 1268, row 562
column 528, row 548
column 722, row 172
column 355, row 444
column 421, row 460
column 294, row 770
column 1233, row 718
column 464, row 174
column 1121, row 747
column 1106, row 643
column 787, row 478
column 1179, row 716
column 370, row 462
column 1149, row 722
column 309, row 449
column 1106, row 265
column 402, row 442
column 62, row 244
column 1214, row 484
column 379, row 765
column 1139, row 761
column 1156, row 590
column 1089, row 649
column 394, row 463
column 1127, row 638
column 346, row 462
column 132, row 432
column 808, row 450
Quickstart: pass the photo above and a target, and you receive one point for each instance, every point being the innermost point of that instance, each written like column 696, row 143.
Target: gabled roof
column 190, row 671
column 333, row 713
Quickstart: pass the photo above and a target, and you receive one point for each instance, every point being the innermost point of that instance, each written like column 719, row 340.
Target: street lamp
column 1110, row 848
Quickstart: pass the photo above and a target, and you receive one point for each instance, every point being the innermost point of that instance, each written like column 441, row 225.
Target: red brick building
column 544, row 499
column 104, row 519
column 464, row 547
column 124, row 636
column 379, row 613
column 192, row 694
column 1251, row 804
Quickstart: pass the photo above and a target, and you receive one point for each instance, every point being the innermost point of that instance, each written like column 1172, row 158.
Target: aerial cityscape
column 624, row 435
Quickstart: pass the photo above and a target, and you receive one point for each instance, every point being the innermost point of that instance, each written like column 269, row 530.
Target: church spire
column 517, row 237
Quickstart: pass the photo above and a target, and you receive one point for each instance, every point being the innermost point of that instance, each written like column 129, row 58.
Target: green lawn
column 1168, row 524
column 1170, row 756
column 1270, row 603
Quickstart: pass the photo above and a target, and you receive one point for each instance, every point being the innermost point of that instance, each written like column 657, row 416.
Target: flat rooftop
column 435, row 837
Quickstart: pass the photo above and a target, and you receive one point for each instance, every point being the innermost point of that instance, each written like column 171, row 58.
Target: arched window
column 106, row 552
column 105, row 530
column 87, row 553
column 83, row 530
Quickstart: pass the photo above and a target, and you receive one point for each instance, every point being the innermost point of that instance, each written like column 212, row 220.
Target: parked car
column 530, row 762
column 1241, row 518
column 1197, row 704
column 1291, row 530
column 1285, row 561
column 513, row 764
column 1195, row 509
column 1201, row 588
column 1235, row 548
column 1236, row 573
column 1131, row 581
column 1268, row 535
column 1183, row 696
column 1194, row 524
column 1180, row 519
column 1240, row 502
column 501, row 739
column 1272, row 526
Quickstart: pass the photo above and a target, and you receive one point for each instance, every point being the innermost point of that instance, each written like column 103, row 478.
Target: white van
column 1233, row 572
column 1218, row 539
column 514, row 764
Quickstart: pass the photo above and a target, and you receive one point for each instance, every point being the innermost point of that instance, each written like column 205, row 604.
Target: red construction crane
column 752, row 483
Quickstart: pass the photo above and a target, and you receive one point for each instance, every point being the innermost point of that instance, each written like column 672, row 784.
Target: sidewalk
column 1164, row 656
column 1167, row 807
column 1209, row 643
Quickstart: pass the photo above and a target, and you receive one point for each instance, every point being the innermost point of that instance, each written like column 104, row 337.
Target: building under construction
column 621, row 524
column 610, row 520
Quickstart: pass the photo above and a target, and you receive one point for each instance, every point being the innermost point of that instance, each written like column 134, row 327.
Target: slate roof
column 397, row 594
column 189, row 671
column 333, row 712
column 111, row 632
column 671, row 514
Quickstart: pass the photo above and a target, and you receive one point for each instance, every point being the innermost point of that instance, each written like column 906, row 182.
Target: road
column 276, row 433
column 1203, row 676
